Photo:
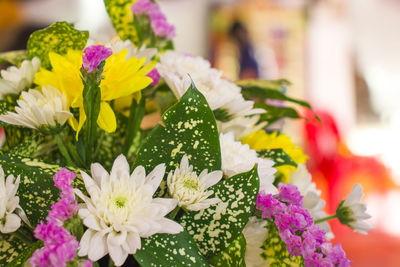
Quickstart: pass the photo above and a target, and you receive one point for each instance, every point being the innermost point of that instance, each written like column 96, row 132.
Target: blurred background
column 341, row 55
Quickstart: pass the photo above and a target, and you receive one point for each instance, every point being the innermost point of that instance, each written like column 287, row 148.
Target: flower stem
column 111, row 263
column 63, row 149
column 135, row 119
column 327, row 218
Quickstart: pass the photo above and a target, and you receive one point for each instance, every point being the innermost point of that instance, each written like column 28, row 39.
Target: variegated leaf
column 215, row 228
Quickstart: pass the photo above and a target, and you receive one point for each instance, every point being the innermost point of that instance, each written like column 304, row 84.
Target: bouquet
column 129, row 153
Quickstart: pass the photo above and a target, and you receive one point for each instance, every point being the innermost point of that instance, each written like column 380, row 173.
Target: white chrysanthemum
column 190, row 189
column 133, row 51
column 39, row 109
column 178, row 69
column 302, row 179
column 238, row 158
column 241, row 126
column 10, row 210
column 255, row 234
column 121, row 210
column 352, row 212
column 14, row 80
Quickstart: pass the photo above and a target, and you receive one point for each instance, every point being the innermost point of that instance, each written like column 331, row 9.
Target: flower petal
column 12, row 223
column 155, row 177
column 106, row 119
column 98, row 246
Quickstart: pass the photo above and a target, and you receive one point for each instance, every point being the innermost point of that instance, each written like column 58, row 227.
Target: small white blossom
column 255, row 234
column 39, row 109
column 302, row 179
column 241, row 126
column 14, row 80
column 178, row 69
column 133, row 51
column 121, row 210
column 191, row 190
column 352, row 212
column 11, row 212
column 238, row 158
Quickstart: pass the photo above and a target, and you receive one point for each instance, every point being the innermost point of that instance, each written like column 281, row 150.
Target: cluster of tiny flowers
column 60, row 245
column 93, row 55
column 158, row 21
column 155, row 76
column 297, row 229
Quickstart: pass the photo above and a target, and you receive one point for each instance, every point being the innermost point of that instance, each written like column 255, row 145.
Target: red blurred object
column 335, row 170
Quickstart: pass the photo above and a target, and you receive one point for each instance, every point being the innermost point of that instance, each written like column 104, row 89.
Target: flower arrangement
column 209, row 185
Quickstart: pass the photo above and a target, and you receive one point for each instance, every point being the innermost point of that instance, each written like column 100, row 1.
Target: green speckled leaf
column 13, row 57
column 58, row 37
column 215, row 228
column 274, row 113
column 4, row 108
column 36, row 189
column 280, row 84
column 275, row 251
column 10, row 248
column 233, row 255
column 190, row 129
column 25, row 255
column 170, row 250
column 268, row 90
column 122, row 18
column 15, row 136
column 278, row 155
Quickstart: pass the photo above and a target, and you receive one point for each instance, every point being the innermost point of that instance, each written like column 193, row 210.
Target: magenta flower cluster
column 93, row 55
column 297, row 230
column 158, row 21
column 155, row 76
column 60, row 245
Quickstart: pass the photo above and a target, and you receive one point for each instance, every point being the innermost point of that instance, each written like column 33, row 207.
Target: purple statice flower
column 93, row 55
column 292, row 241
column 335, row 254
column 296, row 228
column 290, row 194
column 300, row 218
column 60, row 245
column 143, row 7
column 268, row 205
column 155, row 76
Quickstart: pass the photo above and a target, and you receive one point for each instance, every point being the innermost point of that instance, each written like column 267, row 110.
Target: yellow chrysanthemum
column 260, row 140
column 121, row 78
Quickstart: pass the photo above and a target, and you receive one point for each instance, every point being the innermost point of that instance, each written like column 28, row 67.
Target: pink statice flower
column 155, row 76
column 297, row 230
column 63, row 181
column 163, row 29
column 143, row 7
column 93, row 55
column 87, row 263
column 60, row 245
column 158, row 21
column 63, row 210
